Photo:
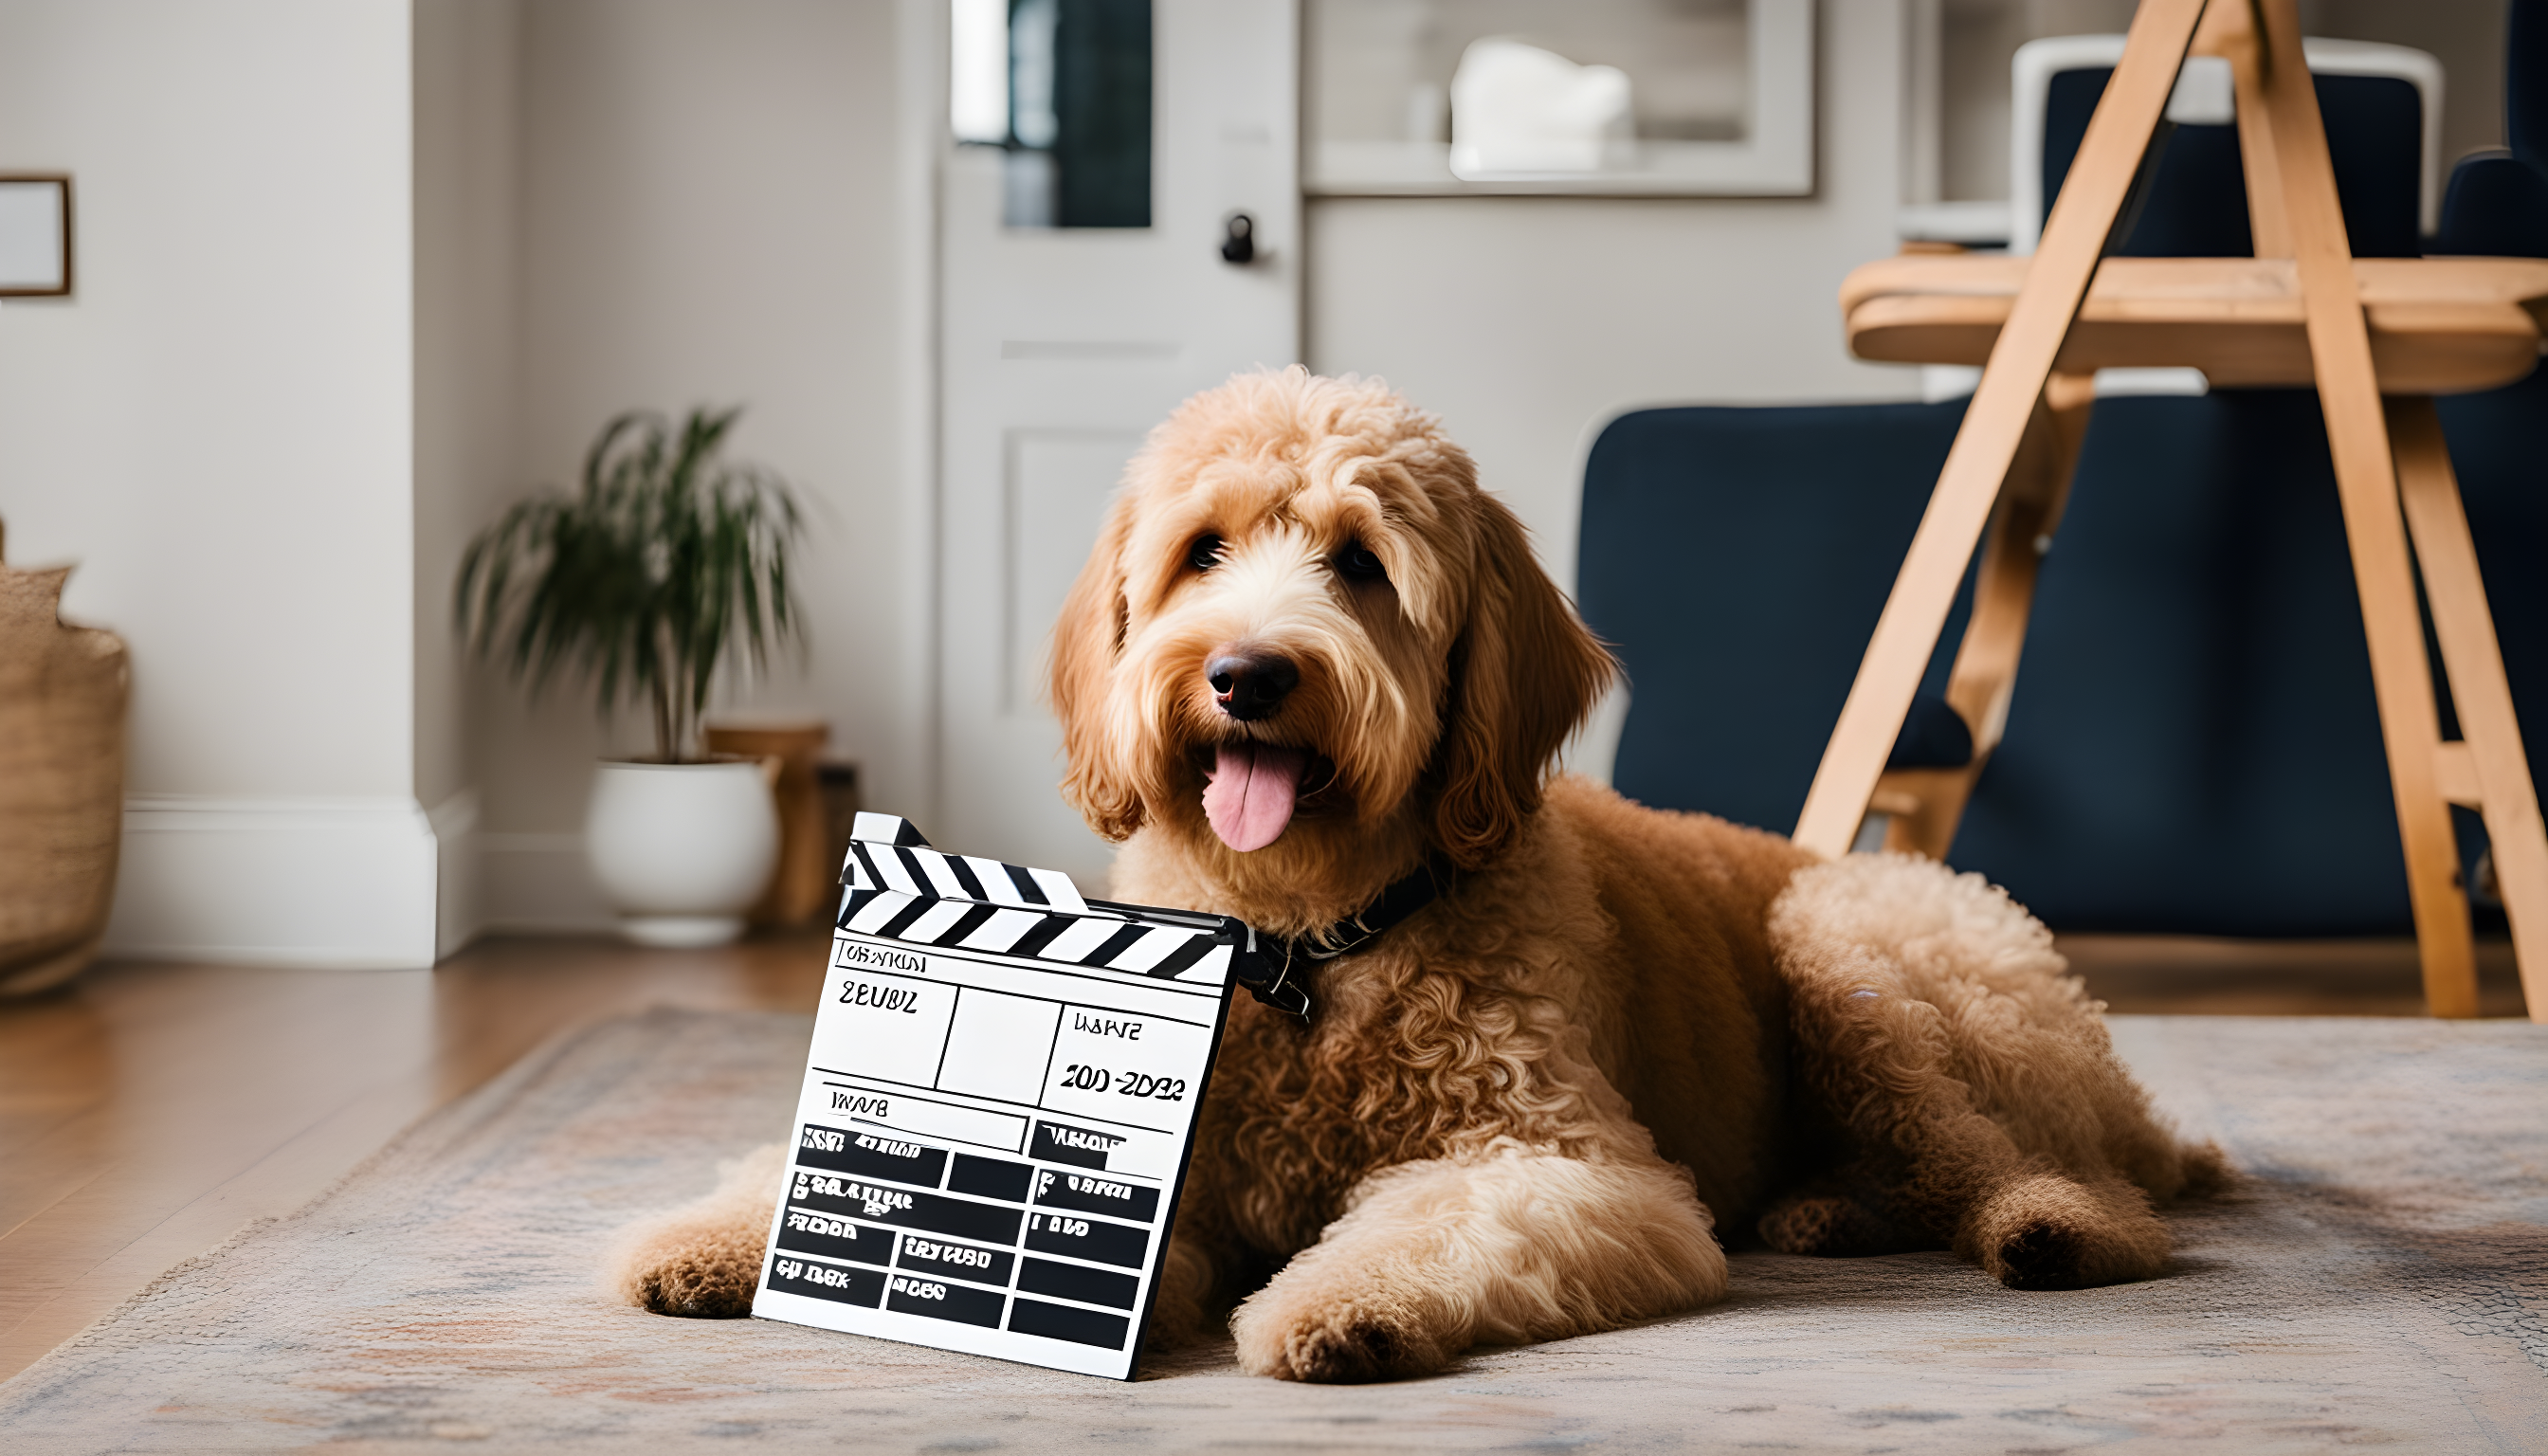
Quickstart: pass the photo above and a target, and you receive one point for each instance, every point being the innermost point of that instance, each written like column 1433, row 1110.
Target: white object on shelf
column 681, row 849
column 1518, row 110
column 1765, row 150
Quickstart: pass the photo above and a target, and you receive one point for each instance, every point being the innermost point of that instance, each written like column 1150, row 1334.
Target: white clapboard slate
column 997, row 1109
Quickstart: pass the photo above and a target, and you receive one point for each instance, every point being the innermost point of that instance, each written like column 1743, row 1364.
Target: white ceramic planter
column 681, row 849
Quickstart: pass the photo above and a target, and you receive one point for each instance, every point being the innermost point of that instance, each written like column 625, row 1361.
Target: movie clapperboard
column 997, row 1109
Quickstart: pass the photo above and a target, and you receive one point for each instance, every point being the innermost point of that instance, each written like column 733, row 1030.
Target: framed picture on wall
column 35, row 236
column 1622, row 98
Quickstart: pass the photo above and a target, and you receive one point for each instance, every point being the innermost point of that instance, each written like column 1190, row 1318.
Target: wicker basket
column 62, row 692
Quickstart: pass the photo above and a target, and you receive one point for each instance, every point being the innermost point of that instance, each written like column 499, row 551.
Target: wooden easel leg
column 1987, row 448
column 2366, row 482
column 1905, row 635
column 1985, row 677
column 2410, row 730
column 2504, row 793
column 2410, row 722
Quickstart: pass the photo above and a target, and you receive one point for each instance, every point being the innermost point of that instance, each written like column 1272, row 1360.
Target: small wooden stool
column 2377, row 336
column 807, row 879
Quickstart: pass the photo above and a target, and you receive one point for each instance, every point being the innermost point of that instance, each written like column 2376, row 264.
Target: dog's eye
column 1360, row 563
column 1205, row 553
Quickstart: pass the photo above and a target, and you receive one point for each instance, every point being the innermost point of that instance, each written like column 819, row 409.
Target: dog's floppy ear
column 1523, row 673
column 1087, row 638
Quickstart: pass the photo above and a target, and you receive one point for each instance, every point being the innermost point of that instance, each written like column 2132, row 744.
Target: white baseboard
column 457, row 913
column 539, row 883
column 344, row 882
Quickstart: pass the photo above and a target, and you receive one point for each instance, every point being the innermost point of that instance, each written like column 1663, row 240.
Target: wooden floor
column 150, row 1111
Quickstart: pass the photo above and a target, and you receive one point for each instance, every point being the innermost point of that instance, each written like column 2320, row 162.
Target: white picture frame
column 1773, row 156
column 35, row 236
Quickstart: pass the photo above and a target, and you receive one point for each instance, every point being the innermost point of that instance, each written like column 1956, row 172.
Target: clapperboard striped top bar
column 901, row 890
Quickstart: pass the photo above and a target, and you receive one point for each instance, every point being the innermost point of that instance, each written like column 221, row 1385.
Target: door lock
column 1238, row 239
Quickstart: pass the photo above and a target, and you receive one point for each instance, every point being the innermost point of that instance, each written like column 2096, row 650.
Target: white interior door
column 1059, row 348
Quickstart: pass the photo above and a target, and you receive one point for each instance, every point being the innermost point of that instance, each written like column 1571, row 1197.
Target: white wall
column 717, row 208
column 356, row 273
column 1527, row 322
column 1979, row 38
column 217, row 428
column 467, row 298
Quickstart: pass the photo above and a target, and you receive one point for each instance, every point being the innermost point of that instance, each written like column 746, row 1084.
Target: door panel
column 1059, row 348
column 1058, row 485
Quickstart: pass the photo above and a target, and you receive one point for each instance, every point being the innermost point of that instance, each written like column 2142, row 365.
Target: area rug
column 2381, row 1280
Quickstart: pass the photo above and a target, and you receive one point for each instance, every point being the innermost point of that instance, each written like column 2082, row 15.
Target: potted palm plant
column 667, row 565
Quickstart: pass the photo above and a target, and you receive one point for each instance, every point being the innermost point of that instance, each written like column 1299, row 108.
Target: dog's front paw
column 702, row 1261
column 2049, row 1233
column 1334, row 1341
column 1833, row 1225
column 700, row 1273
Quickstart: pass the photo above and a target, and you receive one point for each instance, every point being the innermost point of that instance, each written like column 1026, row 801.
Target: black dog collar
column 1275, row 969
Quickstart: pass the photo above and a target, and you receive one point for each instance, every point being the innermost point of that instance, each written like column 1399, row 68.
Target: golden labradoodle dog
column 1309, row 659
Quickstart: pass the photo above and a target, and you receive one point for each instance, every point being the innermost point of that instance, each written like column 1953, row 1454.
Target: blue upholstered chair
column 2376, row 102
column 2498, row 204
column 2193, row 745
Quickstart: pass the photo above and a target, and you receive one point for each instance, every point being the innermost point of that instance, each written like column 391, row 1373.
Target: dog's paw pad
column 1830, row 1225
column 1801, row 1227
column 1339, row 1341
column 2047, row 1254
column 1354, row 1350
column 695, row 1289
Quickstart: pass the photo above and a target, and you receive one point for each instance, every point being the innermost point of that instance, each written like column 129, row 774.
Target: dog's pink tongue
column 1250, row 797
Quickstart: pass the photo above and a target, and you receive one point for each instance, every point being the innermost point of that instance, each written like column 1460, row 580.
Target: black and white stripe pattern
column 901, row 890
column 907, row 865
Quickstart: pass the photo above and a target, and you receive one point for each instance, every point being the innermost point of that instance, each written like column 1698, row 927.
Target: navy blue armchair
column 2193, row 744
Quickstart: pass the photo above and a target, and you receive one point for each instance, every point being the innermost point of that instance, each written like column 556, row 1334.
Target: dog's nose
column 1252, row 684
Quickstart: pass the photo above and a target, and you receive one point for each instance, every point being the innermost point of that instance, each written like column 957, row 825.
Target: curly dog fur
column 1534, row 1109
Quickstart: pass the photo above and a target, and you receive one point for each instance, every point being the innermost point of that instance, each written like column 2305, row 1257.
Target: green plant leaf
column 668, row 563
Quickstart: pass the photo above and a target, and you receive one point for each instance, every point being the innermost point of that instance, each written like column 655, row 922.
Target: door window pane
column 1063, row 88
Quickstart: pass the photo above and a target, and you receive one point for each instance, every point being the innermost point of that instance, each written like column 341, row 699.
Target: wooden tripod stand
column 2376, row 336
